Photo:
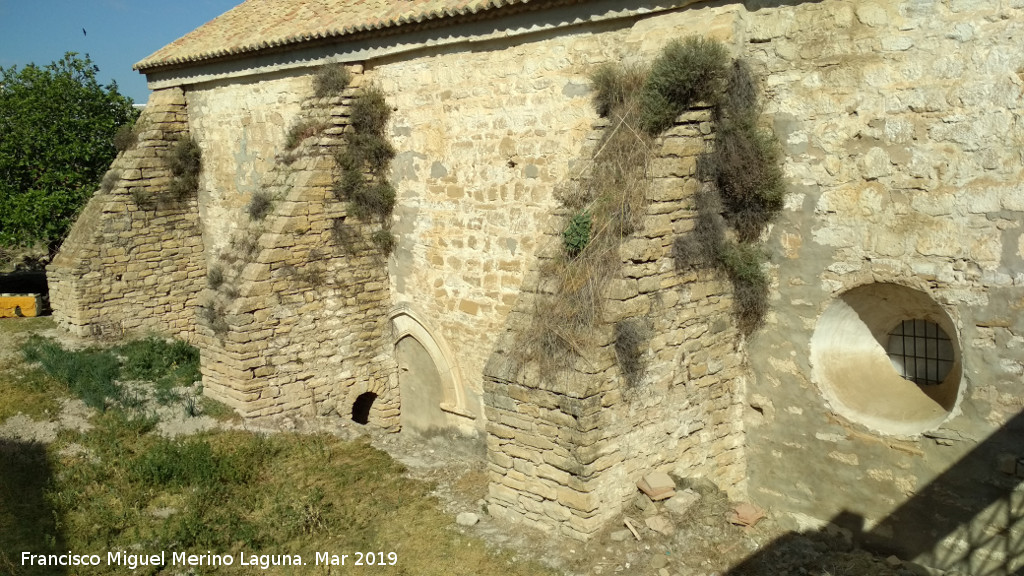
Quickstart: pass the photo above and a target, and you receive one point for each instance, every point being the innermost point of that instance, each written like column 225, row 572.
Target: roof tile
column 261, row 24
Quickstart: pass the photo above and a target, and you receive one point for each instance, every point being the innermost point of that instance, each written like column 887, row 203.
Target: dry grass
column 606, row 205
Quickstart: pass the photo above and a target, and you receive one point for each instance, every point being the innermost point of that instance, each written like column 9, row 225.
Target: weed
column 141, row 198
column 170, row 364
column 125, row 137
column 260, row 205
column 185, row 162
column 615, row 86
column 577, row 234
column 685, row 73
column 373, row 201
column 213, row 316
column 369, row 150
column 744, row 265
column 215, row 276
column 702, row 247
column 631, row 338
column 188, row 463
column 301, row 131
column 331, row 80
column 745, row 164
column 344, row 235
column 384, row 240
column 217, row 410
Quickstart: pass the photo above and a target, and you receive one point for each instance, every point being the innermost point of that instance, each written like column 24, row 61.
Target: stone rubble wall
column 299, row 324
column 565, row 451
column 133, row 261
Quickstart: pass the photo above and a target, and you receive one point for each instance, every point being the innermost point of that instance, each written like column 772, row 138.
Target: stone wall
column 902, row 126
column 133, row 262
column 565, row 450
column 295, row 320
column 486, row 132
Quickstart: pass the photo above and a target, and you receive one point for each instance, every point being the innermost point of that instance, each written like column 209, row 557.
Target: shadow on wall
column 27, row 522
column 968, row 521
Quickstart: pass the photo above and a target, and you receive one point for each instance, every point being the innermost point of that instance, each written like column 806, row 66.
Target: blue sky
column 119, row 33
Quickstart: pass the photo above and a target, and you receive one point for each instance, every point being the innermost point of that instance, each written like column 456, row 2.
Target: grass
column 119, row 486
column 92, row 374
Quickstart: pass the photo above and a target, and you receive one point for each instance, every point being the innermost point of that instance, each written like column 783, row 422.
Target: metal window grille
column 920, row 352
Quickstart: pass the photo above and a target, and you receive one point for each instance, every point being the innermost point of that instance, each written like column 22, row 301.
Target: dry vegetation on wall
column 185, row 162
column 746, row 192
column 608, row 204
column 364, row 161
column 363, row 156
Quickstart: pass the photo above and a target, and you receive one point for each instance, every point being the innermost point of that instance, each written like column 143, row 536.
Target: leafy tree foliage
column 57, row 125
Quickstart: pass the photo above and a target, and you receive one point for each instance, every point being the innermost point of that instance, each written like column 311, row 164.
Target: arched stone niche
column 433, row 396
column 856, row 367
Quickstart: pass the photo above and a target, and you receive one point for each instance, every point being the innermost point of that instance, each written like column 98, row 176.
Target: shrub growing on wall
column 185, row 163
column 331, row 80
column 609, row 203
column 364, row 162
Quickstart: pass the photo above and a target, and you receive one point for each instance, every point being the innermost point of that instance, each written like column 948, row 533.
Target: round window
column 887, row 356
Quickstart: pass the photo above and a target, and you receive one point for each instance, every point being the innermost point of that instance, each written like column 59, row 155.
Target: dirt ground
column 699, row 542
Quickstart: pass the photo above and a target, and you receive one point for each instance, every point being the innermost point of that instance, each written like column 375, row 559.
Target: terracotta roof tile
column 257, row 25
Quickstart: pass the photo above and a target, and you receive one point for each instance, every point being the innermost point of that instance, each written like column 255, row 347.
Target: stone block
column 657, row 485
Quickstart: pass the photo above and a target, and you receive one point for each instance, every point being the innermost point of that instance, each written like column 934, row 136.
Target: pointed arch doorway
column 433, row 399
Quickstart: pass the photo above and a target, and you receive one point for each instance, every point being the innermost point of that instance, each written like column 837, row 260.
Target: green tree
column 57, row 125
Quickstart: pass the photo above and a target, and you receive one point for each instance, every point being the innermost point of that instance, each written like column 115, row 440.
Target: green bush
column 685, row 73
column 331, row 80
column 369, row 150
column 384, row 240
column 577, row 234
column 374, row 200
column 744, row 263
column 745, row 163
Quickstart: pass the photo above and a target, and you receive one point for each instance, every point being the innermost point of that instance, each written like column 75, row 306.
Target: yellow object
column 22, row 305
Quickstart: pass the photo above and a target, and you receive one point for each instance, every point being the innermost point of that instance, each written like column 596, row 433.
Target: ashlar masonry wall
column 133, row 261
